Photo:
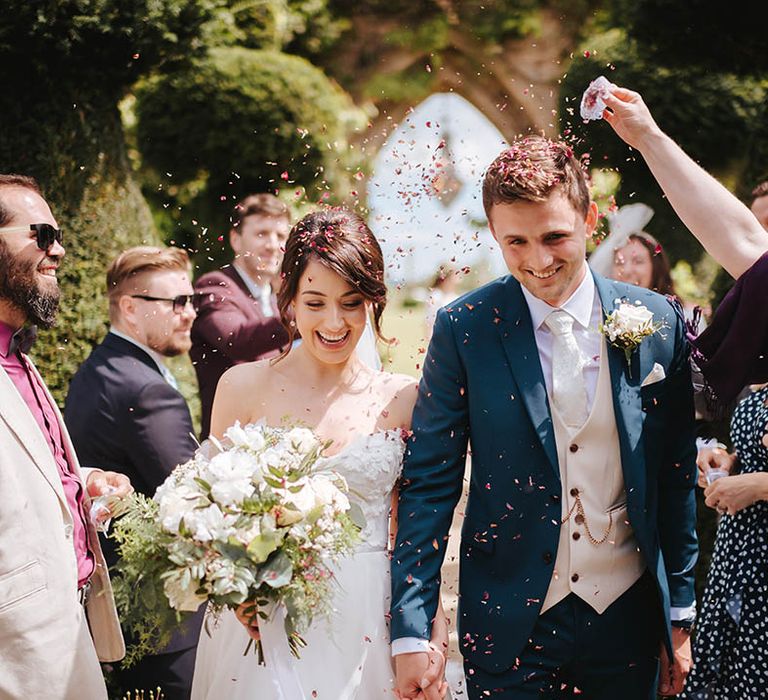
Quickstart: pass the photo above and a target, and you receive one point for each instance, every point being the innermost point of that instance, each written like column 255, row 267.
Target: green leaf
column 277, row 572
column 260, row 547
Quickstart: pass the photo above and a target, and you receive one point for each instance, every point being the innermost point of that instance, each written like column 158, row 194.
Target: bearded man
column 57, row 614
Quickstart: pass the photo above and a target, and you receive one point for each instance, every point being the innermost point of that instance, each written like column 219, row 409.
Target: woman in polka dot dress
column 730, row 655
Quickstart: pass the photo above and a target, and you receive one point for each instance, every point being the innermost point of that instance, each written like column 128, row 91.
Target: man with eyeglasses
column 57, row 614
column 124, row 410
column 238, row 320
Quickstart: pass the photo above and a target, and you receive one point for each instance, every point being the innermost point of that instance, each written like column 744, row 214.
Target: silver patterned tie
column 569, row 391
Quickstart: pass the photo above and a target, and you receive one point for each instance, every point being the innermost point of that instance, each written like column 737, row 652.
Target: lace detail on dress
column 371, row 465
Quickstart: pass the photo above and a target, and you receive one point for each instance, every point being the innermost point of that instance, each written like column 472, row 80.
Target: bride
column 333, row 275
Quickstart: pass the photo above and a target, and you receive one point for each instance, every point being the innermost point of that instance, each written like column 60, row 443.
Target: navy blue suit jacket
column 483, row 385
column 123, row 416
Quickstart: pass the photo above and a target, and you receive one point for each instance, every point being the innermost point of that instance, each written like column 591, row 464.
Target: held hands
column 630, row 118
column 672, row 674
column 421, row 675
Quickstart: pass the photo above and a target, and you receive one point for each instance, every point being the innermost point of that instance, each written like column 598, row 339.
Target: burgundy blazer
column 230, row 328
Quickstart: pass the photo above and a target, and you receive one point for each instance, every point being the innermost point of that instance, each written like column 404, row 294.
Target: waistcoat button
column 574, row 448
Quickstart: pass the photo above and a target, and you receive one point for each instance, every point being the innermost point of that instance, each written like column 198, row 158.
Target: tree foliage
column 64, row 65
column 714, row 116
column 698, row 34
column 240, row 121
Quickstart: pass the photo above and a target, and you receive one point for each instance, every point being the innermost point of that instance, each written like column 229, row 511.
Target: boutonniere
column 628, row 325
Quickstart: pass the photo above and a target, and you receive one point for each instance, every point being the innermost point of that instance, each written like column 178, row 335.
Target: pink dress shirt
column 39, row 402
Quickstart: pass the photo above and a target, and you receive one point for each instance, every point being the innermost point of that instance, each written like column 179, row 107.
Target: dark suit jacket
column 230, row 328
column 124, row 417
column 483, row 384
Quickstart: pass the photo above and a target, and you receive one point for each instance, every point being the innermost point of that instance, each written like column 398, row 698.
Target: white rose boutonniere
column 628, row 325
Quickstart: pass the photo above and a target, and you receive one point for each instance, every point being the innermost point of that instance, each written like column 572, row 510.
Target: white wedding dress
column 347, row 656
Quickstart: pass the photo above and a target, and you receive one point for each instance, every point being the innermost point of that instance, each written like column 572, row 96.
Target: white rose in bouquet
column 302, row 440
column 250, row 437
column 253, row 517
column 329, row 491
column 180, row 590
column 206, row 524
column 232, row 477
column 174, row 500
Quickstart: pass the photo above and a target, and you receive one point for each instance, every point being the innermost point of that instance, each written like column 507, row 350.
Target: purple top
column 732, row 351
column 39, row 402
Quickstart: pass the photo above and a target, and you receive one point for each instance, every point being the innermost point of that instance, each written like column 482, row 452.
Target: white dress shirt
column 262, row 292
column 585, row 309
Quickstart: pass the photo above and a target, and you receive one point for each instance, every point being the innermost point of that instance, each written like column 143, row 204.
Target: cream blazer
column 46, row 650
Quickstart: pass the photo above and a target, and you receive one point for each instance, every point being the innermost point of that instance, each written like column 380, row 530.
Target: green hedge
column 236, row 122
column 64, row 67
column 713, row 116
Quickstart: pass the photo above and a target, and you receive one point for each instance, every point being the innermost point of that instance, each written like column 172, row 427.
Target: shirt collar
column 257, row 291
column 6, row 333
column 579, row 305
column 156, row 356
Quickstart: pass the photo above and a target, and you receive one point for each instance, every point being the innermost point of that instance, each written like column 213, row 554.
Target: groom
column 578, row 544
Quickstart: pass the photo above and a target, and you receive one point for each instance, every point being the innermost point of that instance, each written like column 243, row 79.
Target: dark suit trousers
column 575, row 653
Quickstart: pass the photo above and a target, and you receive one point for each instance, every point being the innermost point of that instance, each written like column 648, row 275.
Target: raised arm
column 723, row 225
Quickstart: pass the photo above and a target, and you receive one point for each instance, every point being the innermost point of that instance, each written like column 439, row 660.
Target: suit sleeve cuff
column 409, row 645
column 685, row 613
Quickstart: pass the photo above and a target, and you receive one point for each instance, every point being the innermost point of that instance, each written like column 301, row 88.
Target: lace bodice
column 371, row 465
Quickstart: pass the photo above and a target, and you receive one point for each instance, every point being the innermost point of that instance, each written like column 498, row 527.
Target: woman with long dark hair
column 333, row 278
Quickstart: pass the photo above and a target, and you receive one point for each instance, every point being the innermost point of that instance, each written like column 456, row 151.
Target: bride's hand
column 247, row 615
column 436, row 672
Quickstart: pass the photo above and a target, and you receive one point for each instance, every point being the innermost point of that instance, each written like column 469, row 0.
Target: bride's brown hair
column 342, row 241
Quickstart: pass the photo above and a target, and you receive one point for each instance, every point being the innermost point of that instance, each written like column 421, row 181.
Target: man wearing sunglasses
column 124, row 410
column 57, row 614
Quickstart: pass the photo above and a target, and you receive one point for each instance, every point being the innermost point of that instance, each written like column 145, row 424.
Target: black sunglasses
column 179, row 303
column 45, row 233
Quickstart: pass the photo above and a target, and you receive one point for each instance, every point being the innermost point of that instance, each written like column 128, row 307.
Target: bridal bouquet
column 250, row 518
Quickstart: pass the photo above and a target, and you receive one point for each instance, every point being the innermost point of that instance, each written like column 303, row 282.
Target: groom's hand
column 672, row 674
column 419, row 676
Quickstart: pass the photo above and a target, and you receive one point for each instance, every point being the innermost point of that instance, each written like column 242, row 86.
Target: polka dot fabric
column 731, row 644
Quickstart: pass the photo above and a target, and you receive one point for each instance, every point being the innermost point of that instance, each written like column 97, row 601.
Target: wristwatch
column 684, row 624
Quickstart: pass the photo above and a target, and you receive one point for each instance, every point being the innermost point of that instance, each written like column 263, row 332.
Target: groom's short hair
column 530, row 170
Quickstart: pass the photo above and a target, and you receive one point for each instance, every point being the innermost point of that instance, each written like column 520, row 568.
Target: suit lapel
column 625, row 384
column 517, row 339
column 22, row 423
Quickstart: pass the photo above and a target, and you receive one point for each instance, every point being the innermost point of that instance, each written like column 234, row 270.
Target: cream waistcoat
column 590, row 471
